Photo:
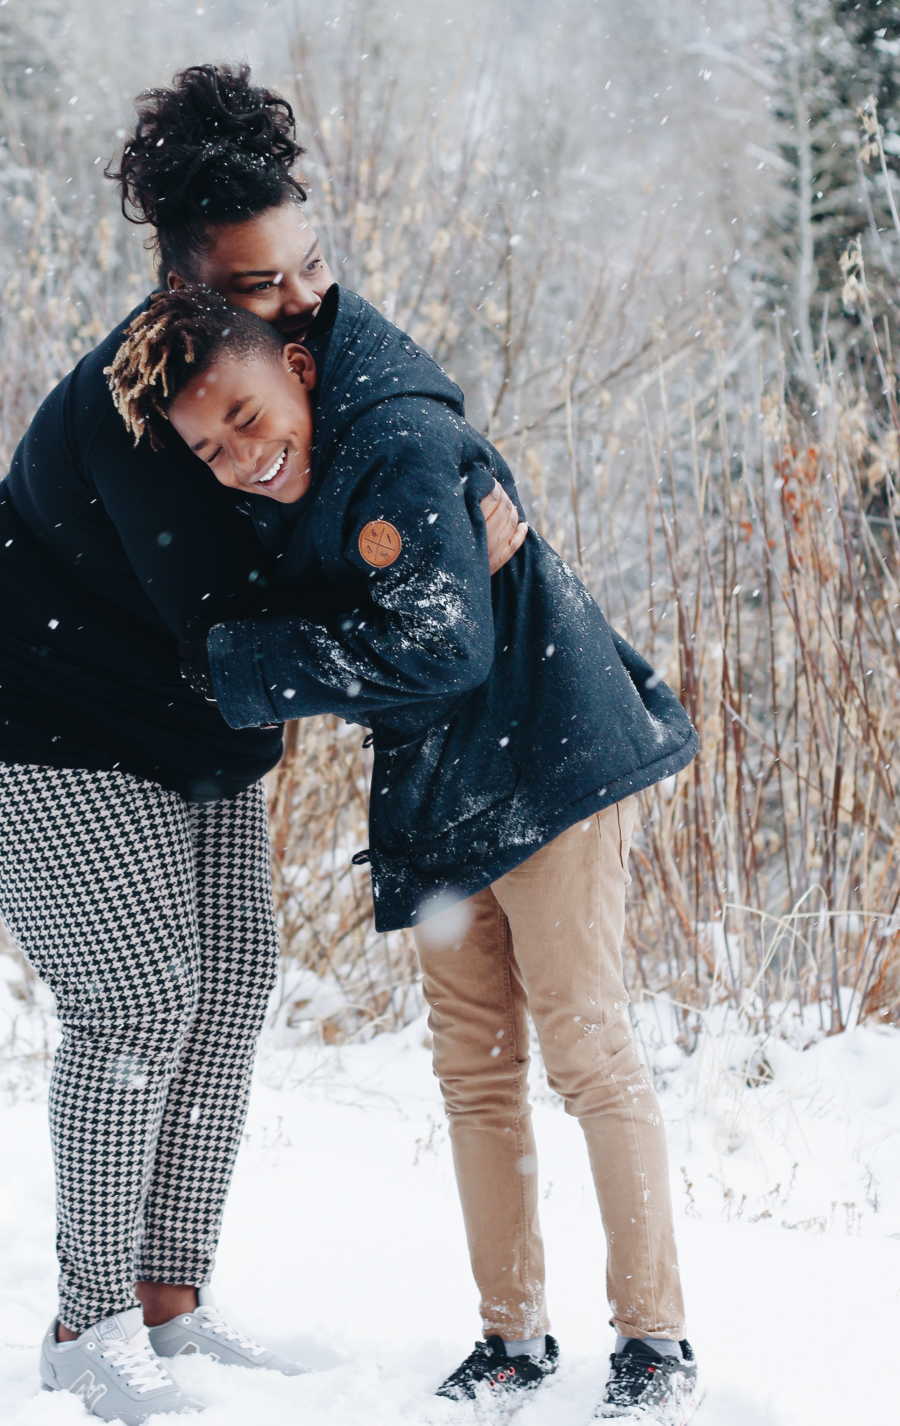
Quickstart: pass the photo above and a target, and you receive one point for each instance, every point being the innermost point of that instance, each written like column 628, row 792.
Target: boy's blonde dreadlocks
column 138, row 377
column 173, row 340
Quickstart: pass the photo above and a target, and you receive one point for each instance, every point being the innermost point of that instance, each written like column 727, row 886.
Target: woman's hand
column 505, row 531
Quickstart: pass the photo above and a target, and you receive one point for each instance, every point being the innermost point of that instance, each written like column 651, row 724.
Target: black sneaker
column 489, row 1366
column 650, row 1387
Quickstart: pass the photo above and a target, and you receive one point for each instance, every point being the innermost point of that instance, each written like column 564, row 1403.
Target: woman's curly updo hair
column 212, row 149
column 177, row 337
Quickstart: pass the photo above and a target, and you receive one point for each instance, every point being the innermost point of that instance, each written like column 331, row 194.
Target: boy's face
column 271, row 264
column 249, row 417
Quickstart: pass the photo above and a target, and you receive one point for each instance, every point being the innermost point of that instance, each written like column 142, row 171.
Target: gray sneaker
column 206, row 1330
column 114, row 1370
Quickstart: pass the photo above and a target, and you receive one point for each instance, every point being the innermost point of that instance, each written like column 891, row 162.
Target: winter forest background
column 658, row 245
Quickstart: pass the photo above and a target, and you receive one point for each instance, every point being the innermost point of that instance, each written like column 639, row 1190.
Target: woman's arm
column 194, row 554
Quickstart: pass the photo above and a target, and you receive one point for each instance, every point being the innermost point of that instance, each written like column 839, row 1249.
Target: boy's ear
column 174, row 281
column 300, row 362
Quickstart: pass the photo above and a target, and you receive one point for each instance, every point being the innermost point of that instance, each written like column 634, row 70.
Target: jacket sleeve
column 417, row 534
column 191, row 550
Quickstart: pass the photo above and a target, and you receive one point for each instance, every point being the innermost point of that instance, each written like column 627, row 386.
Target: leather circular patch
column 379, row 543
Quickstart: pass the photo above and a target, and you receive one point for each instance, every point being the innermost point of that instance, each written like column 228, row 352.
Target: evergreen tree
column 873, row 32
column 827, row 57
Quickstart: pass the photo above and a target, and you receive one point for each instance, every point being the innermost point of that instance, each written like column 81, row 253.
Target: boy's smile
column 274, row 476
column 249, row 417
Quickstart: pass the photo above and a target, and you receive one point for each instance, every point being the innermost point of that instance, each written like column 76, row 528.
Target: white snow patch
column 343, row 1227
column 443, row 920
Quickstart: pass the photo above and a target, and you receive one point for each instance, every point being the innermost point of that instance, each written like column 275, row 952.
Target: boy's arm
column 186, row 542
column 418, row 537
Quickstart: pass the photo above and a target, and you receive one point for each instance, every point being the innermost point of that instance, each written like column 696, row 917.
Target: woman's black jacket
column 109, row 555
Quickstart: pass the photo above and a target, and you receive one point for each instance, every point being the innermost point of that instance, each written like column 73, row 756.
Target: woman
column 133, row 850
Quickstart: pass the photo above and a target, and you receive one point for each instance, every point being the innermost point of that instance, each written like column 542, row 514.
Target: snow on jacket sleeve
column 414, row 530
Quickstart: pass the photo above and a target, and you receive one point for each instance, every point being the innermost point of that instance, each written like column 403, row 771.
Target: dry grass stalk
column 755, row 557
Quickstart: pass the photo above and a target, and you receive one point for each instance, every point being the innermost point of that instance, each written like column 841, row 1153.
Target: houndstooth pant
column 151, row 920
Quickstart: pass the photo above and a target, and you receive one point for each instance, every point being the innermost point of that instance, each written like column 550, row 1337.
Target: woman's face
column 250, row 419
column 270, row 264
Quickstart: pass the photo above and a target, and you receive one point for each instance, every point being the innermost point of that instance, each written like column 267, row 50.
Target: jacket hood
column 362, row 359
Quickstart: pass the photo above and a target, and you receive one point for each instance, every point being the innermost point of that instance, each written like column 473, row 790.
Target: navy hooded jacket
column 503, row 710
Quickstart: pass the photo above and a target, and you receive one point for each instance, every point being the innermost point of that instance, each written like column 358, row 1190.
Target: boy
column 512, row 729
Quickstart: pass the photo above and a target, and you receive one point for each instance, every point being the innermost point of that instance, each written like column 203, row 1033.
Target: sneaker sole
column 625, row 1414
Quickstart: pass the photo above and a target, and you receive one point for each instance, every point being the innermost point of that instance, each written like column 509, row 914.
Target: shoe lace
column 137, row 1362
column 483, row 1361
column 220, row 1327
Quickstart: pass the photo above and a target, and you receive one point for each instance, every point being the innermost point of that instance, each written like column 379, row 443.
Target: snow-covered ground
column 343, row 1244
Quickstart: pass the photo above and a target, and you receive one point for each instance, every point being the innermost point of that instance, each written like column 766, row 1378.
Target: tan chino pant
column 546, row 939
